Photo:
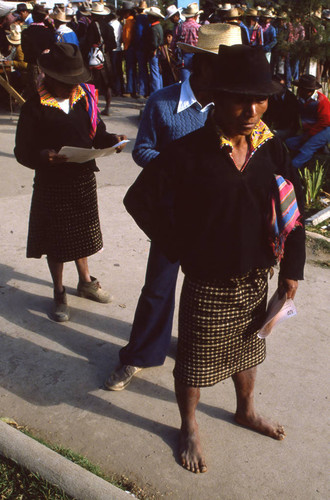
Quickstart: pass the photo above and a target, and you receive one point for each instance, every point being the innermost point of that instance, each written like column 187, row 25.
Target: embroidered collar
column 46, row 99
column 259, row 136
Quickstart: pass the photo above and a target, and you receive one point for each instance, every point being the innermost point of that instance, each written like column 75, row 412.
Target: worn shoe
column 121, row 377
column 92, row 290
column 61, row 309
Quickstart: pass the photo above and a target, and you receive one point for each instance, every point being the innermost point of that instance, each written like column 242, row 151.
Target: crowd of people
column 146, row 40
column 224, row 202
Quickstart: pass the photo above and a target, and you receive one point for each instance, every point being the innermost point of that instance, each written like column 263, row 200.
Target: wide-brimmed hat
column 210, row 36
column 251, row 13
column 267, row 13
column 283, row 15
column 99, row 9
column 171, row 10
column 242, row 69
column 14, row 37
column 307, row 82
column 192, row 10
column 232, row 14
column 59, row 15
column 21, row 7
column 154, row 11
column 64, row 63
column 225, row 6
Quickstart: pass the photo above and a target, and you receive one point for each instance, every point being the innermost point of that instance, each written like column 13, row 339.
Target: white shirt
column 187, row 98
column 118, row 30
column 64, row 105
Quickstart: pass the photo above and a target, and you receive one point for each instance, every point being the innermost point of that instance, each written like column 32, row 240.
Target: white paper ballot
column 277, row 311
column 81, row 155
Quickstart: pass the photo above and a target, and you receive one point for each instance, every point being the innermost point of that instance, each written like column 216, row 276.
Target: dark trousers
column 152, row 327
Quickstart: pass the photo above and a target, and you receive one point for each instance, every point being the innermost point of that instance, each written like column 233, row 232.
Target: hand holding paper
column 81, row 155
column 277, row 311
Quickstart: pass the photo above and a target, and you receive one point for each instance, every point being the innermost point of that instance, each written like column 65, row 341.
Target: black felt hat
column 307, row 82
column 64, row 63
column 244, row 70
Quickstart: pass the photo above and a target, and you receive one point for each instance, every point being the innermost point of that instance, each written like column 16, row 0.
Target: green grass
column 16, row 483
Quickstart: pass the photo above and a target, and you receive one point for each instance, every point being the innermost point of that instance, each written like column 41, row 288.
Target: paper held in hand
column 81, row 155
column 277, row 311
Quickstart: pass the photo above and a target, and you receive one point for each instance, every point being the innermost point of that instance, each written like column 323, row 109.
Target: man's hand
column 287, row 286
column 121, row 138
column 50, row 156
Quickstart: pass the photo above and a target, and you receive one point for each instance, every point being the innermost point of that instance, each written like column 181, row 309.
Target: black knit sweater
column 195, row 203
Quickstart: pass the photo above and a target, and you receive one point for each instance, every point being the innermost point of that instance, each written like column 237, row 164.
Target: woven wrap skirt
column 218, row 326
column 64, row 220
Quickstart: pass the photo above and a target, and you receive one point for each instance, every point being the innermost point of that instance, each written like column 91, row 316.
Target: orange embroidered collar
column 46, row 99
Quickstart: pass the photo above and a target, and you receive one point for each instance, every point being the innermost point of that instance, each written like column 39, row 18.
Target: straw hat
column 267, row 14
column 192, row 10
column 59, row 15
column 251, row 13
column 64, row 63
column 232, row 14
column 247, row 71
column 171, row 10
column 154, row 11
column 225, row 6
column 14, row 37
column 99, row 9
column 210, row 36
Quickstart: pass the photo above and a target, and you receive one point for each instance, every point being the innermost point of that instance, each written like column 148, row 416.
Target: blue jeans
column 307, row 147
column 291, row 70
column 187, row 66
column 142, row 72
column 152, row 326
column 130, row 70
column 156, row 81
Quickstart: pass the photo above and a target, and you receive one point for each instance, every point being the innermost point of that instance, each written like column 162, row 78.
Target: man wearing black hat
column 38, row 37
column 205, row 201
column 24, row 14
column 314, row 110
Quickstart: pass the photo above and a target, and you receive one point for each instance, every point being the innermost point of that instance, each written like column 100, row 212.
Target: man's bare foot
column 191, row 451
column 262, row 425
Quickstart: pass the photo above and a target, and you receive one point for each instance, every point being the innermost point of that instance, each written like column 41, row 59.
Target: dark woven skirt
column 64, row 220
column 218, row 326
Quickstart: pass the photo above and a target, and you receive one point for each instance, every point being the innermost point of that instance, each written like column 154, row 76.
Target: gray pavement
column 51, row 375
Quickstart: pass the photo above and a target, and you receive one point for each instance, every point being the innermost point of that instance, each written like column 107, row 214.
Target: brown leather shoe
column 92, row 290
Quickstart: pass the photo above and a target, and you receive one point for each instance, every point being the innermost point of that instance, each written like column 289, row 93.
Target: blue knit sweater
column 162, row 124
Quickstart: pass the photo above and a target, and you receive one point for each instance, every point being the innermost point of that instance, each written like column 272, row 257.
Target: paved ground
column 51, row 374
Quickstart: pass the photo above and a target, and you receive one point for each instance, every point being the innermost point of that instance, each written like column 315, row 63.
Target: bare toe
column 261, row 425
column 190, row 451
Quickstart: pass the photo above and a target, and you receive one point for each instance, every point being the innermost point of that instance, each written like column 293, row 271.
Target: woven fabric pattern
column 64, row 220
column 218, row 325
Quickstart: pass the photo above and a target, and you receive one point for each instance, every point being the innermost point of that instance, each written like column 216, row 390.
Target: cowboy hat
column 99, row 9
column 14, row 37
column 59, row 15
column 225, row 6
column 210, row 36
column 251, row 13
column 127, row 5
column 267, row 14
column 154, row 11
column 171, row 10
column 64, row 63
column 307, row 82
column 232, row 14
column 242, row 69
column 192, row 10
